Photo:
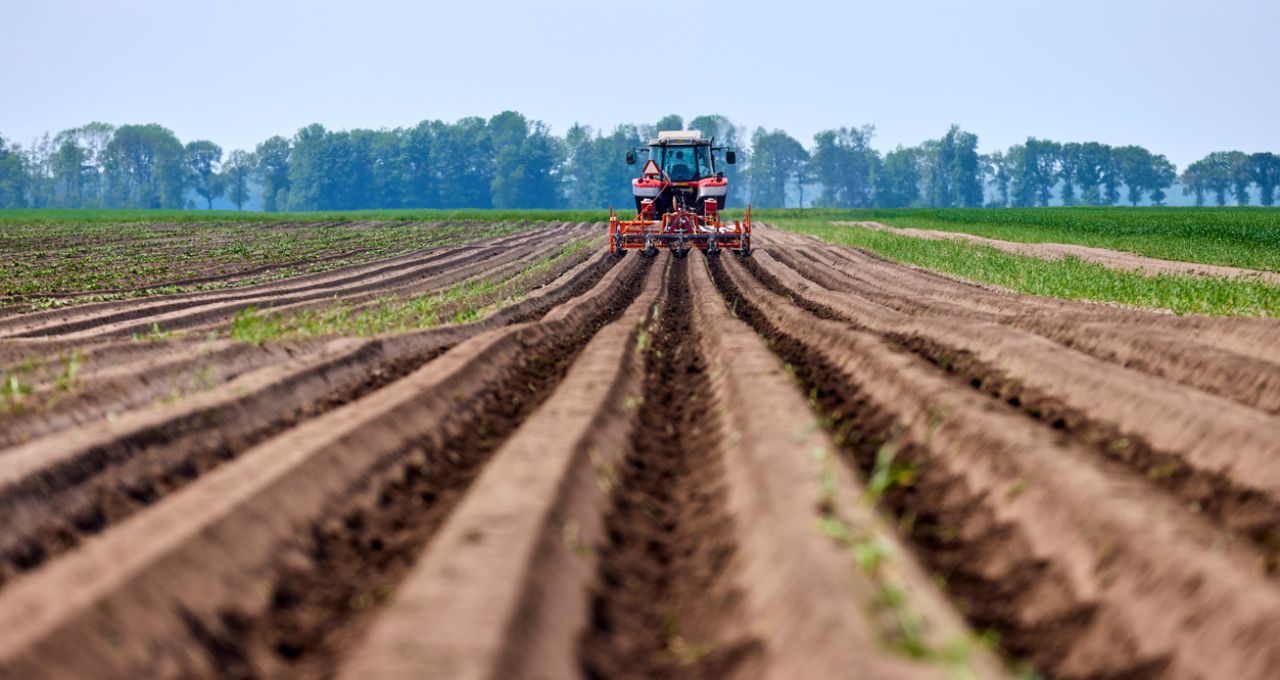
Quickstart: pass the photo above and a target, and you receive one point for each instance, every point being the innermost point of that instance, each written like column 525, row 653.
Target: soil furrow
column 1082, row 571
column 88, row 488
column 501, row 591
column 388, row 273
column 1242, row 378
column 666, row 601
column 1195, row 442
column 358, row 470
column 1240, row 509
column 910, row 288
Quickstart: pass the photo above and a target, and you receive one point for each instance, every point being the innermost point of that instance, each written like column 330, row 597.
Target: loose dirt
column 806, row 463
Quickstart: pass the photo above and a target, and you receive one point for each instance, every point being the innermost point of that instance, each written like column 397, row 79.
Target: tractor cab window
column 686, row 163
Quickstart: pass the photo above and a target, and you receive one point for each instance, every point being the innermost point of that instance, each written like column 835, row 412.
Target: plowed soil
column 806, row 463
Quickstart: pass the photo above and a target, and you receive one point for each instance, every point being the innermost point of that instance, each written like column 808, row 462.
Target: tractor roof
column 679, row 138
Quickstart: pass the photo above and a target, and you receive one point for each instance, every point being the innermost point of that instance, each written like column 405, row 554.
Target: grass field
column 1069, row 278
column 1240, row 237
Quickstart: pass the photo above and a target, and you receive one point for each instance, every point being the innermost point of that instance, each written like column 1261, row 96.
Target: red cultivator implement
column 679, row 231
column 678, row 197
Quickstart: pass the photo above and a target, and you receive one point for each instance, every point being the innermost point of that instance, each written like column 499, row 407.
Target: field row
column 811, row 462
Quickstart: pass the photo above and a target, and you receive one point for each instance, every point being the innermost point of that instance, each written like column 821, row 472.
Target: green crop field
column 1069, row 278
column 42, row 260
column 46, row 253
column 1240, row 237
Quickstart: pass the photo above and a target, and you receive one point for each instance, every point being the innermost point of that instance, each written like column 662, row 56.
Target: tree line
column 509, row 161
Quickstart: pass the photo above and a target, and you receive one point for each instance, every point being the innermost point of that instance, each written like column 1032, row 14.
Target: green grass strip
column 1239, row 237
column 1069, row 278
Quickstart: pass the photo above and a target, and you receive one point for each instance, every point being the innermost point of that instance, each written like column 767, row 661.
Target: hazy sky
column 1181, row 77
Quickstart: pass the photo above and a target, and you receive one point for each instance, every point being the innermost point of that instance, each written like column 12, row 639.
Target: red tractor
column 679, row 196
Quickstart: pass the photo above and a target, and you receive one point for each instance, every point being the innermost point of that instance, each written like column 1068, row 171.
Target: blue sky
column 1180, row 77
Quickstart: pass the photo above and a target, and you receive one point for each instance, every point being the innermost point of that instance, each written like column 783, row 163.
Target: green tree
column 952, row 174
column 237, row 172
column 78, row 165
column 1266, row 174
column 69, row 172
column 1162, row 176
column 996, row 171
column 464, row 164
column 844, row 163
column 1135, row 168
column 1068, row 168
column 776, row 160
column 201, row 160
column 418, row 155
column 143, row 168
column 898, row 182
column 668, row 122
column 1095, row 174
column 13, row 177
column 727, row 135
column 273, row 156
column 1193, row 181
column 1214, row 173
column 1241, row 168
column 1033, row 172
column 41, row 184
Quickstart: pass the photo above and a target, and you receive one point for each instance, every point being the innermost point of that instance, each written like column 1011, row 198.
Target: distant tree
column 1094, row 173
column 898, row 180
column 273, row 158
column 13, row 177
column 1033, row 172
column 951, row 170
column 1134, row 165
column 1162, row 175
column 580, row 167
column 728, row 135
column 69, row 172
column 464, row 164
column 237, row 172
column 1068, row 168
column 776, row 159
column 202, row 160
column 40, row 182
column 668, row 122
column 526, row 166
column 995, row 170
column 1266, row 174
column 143, row 168
column 420, row 187
column 1241, row 169
column 1216, row 172
column 78, row 163
column 845, row 164
column 613, row 175
column 1193, row 181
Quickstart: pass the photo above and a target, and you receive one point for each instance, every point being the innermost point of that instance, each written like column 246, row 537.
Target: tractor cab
column 680, row 173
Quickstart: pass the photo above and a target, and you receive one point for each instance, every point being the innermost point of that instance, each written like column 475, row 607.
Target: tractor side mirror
column 631, row 158
column 730, row 157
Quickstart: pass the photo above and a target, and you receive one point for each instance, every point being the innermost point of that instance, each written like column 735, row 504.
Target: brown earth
column 806, row 463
